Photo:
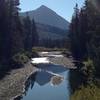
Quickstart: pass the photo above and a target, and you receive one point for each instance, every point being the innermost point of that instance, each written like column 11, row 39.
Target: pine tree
column 28, row 33
column 85, row 37
column 14, row 25
column 10, row 30
column 74, row 33
column 94, row 36
column 35, row 36
column 4, row 32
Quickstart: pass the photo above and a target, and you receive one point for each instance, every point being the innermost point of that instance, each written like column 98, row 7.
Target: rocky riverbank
column 13, row 83
column 57, row 58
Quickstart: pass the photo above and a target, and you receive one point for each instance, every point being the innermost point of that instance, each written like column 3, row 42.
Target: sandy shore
column 15, row 80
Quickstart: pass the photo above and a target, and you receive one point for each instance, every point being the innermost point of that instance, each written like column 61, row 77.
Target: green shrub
column 20, row 58
column 88, row 70
column 31, row 54
column 28, row 54
column 91, row 92
column 40, row 49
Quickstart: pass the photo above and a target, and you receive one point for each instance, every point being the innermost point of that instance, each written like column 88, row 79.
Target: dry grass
column 87, row 93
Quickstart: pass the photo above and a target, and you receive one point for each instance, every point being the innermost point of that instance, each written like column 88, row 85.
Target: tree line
column 16, row 35
column 85, row 39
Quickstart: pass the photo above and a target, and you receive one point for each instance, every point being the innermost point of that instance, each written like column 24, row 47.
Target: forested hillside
column 85, row 44
column 52, row 28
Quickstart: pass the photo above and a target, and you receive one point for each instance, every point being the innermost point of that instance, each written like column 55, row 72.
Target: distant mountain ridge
column 50, row 26
column 47, row 31
column 45, row 15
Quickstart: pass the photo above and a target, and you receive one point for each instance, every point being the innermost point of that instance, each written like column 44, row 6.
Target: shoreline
column 15, row 80
column 20, row 95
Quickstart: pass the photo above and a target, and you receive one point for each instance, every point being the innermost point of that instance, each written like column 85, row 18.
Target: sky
column 62, row 7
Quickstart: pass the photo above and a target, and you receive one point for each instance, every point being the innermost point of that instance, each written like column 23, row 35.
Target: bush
column 91, row 92
column 28, row 54
column 88, row 70
column 20, row 58
column 40, row 49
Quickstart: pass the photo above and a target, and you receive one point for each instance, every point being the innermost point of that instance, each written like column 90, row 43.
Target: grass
column 39, row 49
column 91, row 92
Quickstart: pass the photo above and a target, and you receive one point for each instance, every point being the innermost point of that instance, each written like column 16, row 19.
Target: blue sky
column 63, row 7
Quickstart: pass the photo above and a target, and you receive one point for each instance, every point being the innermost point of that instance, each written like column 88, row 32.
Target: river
column 50, row 82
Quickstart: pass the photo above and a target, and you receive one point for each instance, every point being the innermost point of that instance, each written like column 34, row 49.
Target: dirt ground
column 15, row 80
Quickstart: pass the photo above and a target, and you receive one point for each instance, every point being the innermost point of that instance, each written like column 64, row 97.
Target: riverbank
column 13, row 83
column 83, row 85
column 61, row 59
column 64, row 61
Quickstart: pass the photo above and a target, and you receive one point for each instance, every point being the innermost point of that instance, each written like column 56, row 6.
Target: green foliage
column 90, row 92
column 20, row 58
column 31, row 36
column 76, row 79
column 78, row 28
column 28, row 54
column 85, row 38
column 15, row 36
column 39, row 49
column 88, row 70
column 85, row 46
column 11, row 41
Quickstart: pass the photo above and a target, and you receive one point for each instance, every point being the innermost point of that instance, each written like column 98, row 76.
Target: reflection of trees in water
column 47, row 71
column 30, row 82
column 42, row 76
column 18, row 98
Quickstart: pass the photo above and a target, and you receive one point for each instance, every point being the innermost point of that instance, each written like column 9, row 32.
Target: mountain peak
column 43, row 6
column 47, row 16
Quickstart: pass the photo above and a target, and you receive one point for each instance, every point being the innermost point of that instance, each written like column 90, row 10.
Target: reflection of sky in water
column 51, row 67
column 43, row 90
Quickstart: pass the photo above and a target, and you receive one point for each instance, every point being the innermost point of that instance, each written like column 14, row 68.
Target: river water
column 50, row 82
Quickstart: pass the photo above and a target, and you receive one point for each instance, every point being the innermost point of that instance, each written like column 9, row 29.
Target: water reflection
column 43, row 78
column 52, row 68
column 30, row 82
column 49, row 83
